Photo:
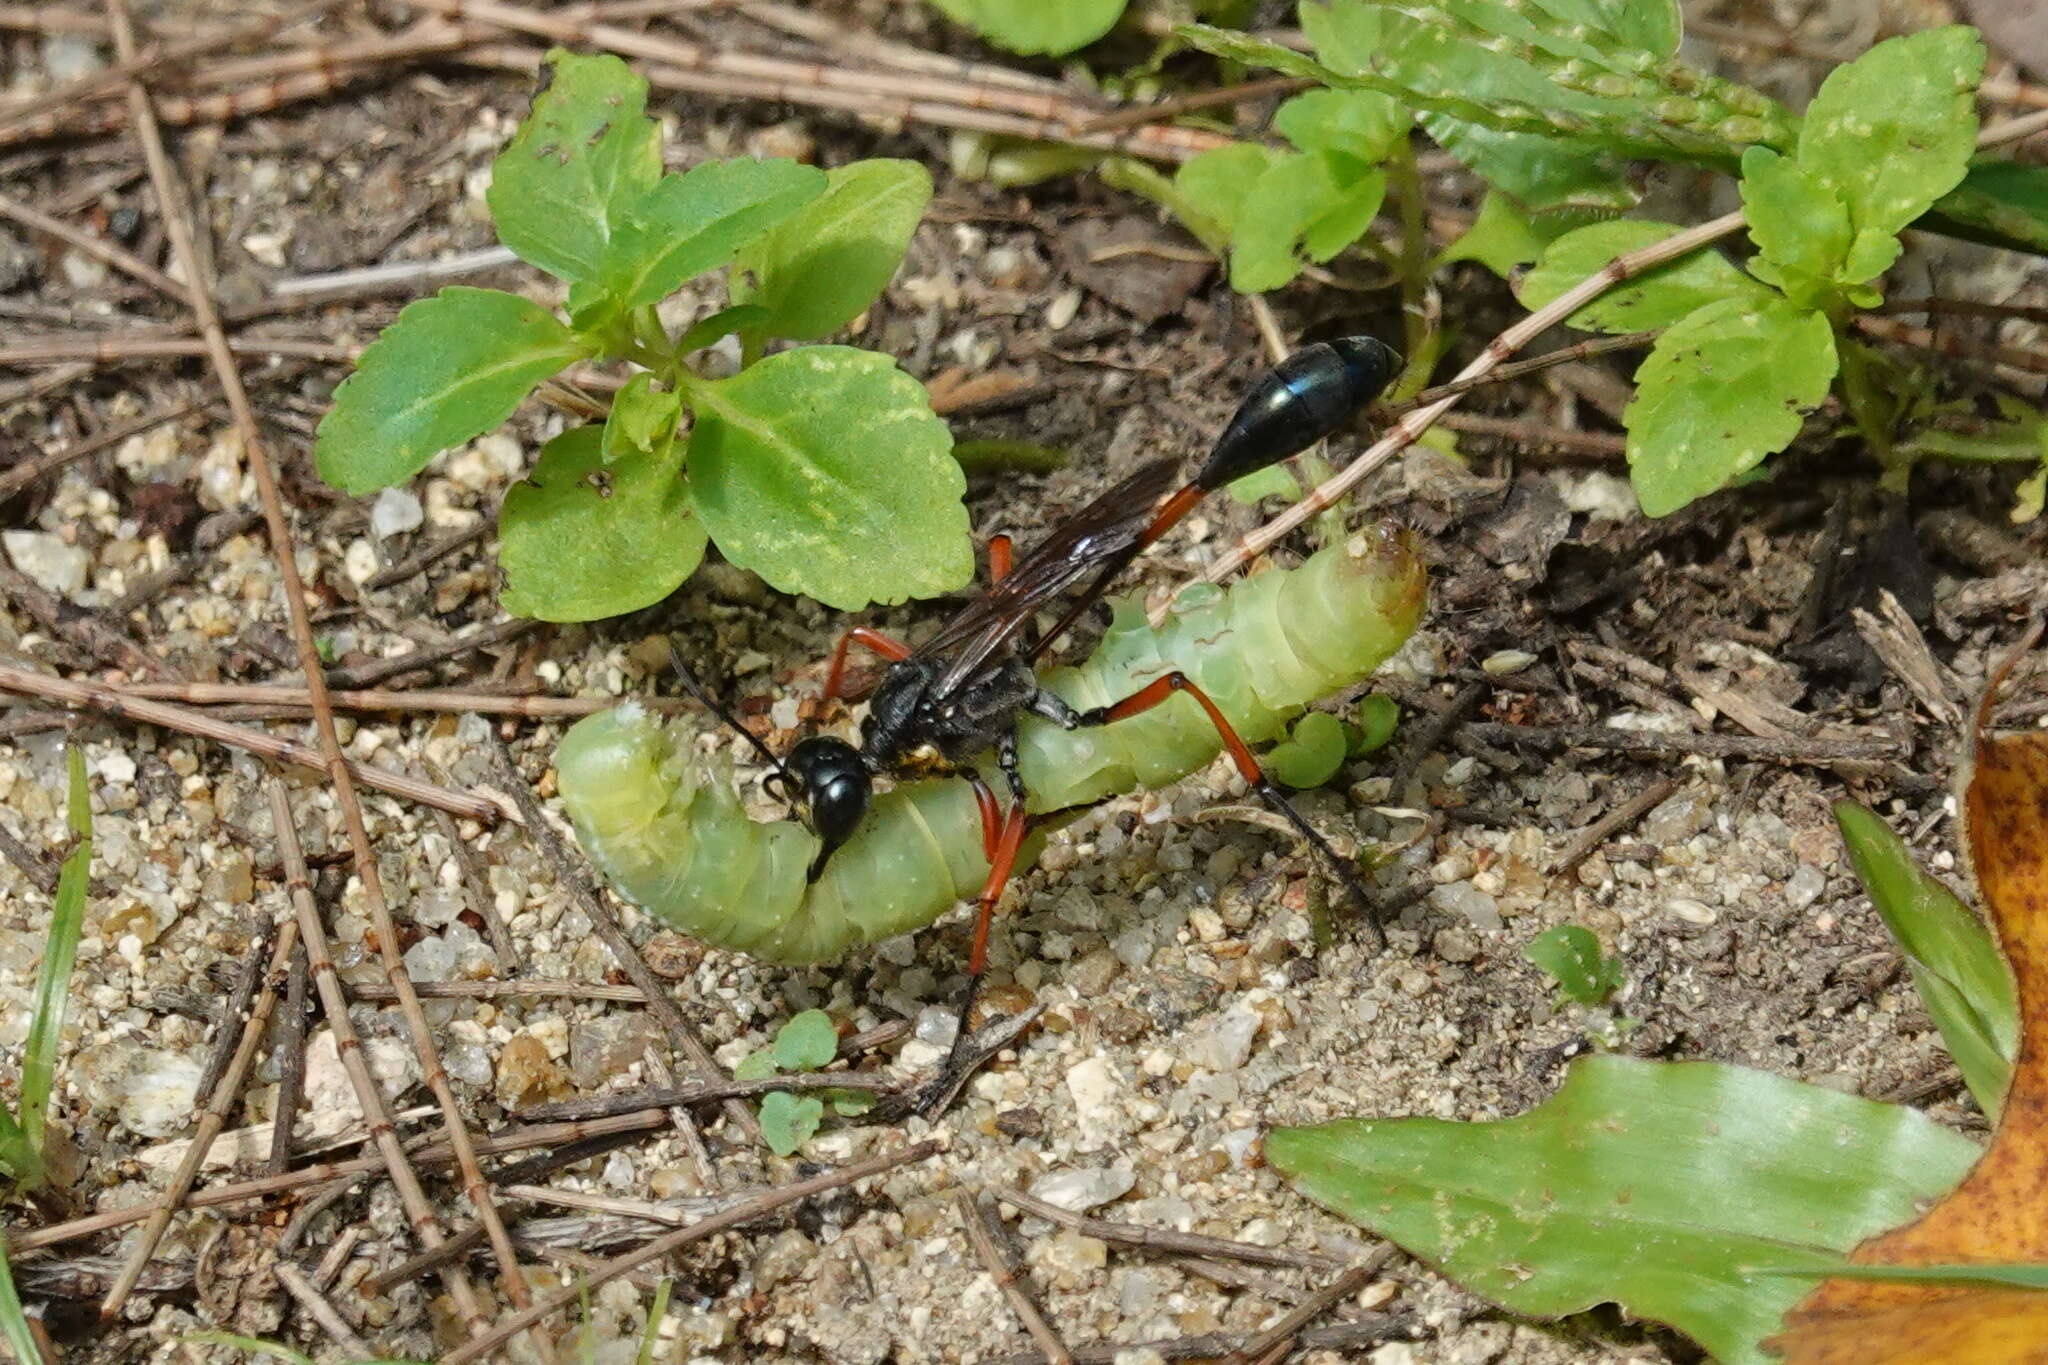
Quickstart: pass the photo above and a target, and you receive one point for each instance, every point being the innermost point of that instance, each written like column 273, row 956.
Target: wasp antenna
column 696, row 689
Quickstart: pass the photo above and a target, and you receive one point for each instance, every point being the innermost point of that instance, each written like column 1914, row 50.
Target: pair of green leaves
column 807, row 1042
column 822, row 468
column 1320, row 743
column 1272, row 210
column 1743, row 356
column 1570, row 955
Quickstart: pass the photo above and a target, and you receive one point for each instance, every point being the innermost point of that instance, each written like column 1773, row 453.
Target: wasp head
column 833, row 786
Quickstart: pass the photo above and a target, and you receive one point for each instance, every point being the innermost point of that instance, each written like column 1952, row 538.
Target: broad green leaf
column 1570, row 955
column 821, row 266
column 1543, row 173
column 1656, row 299
column 824, row 470
column 580, row 539
column 584, row 155
column 688, row 224
column 1965, row 984
column 1216, row 183
column 1892, row 131
column 60, row 952
column 849, row 1104
column 1311, row 754
column 1304, row 205
column 1050, row 28
column 1651, row 26
column 806, row 1043
column 643, row 418
column 716, row 326
column 1378, row 717
column 1135, row 177
column 1362, row 124
column 789, row 1121
column 1655, row 1185
column 1504, row 237
column 449, row 368
column 1799, row 224
column 756, row 1066
column 1723, row 388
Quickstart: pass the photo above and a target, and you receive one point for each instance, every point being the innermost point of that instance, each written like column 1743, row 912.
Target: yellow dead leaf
column 1999, row 1214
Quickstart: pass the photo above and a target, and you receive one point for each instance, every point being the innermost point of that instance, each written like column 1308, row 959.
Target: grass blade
column 14, row 1328
column 1965, row 984
column 60, row 951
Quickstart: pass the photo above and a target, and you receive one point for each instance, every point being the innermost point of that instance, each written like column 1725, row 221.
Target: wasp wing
column 1103, row 531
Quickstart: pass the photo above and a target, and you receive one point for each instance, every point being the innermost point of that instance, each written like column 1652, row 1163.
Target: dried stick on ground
column 1616, row 820
column 1164, row 1240
column 291, row 1065
column 246, row 1032
column 316, row 1305
column 105, row 350
column 570, row 874
column 1276, row 1337
column 90, row 634
column 27, row 472
column 377, row 699
column 974, row 1219
column 177, row 224
column 100, row 697
column 97, row 247
column 671, row 1242
column 419, row 1210
column 705, row 1091
column 476, row 891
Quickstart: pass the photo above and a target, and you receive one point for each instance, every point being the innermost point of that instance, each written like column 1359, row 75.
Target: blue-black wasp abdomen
column 1311, row 394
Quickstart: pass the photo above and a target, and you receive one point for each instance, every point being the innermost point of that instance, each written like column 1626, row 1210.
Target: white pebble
column 395, row 512
column 1078, row 1191
column 47, row 561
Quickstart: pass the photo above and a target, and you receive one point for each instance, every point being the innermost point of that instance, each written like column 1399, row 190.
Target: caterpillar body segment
column 665, row 825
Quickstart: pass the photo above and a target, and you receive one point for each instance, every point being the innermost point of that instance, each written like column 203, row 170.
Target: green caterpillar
column 666, row 825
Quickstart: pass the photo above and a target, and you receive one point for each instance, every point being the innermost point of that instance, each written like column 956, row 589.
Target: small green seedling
column 21, row 1135
column 1050, row 28
column 1319, row 743
column 808, row 1042
column 1571, row 956
column 821, row 468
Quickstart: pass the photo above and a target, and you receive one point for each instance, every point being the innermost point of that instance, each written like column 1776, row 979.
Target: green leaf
column 1274, row 481
column 1216, row 184
column 650, row 1335
column 688, row 224
column 1798, row 223
column 807, row 1043
column 1892, row 131
column 756, row 1066
column 449, row 368
column 1655, row 1185
column 1305, row 205
column 580, row 539
column 1656, row 299
column 1723, row 388
column 849, row 1104
column 1362, row 124
column 60, row 952
column 1965, row 984
column 1312, row 753
column 14, row 1328
column 1543, row 172
column 1049, row 28
column 821, row 266
column 585, row 154
column 2004, row 203
column 1571, row 956
column 1377, row 718
column 716, row 326
column 256, row 1346
column 825, row 471
column 788, row 1121
column 1504, row 236
column 643, row 418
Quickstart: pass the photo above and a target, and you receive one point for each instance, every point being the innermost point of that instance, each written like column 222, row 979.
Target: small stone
column 430, row 959
column 47, row 561
column 1093, row 1085
column 1133, row 947
column 786, row 1256
column 1062, row 309
column 1506, row 661
column 1467, row 900
column 1022, row 1123
column 1691, row 911
column 1226, row 1044
column 359, row 561
column 395, row 512
column 1456, row 945
column 1079, row 1191
column 1804, row 886
column 1092, row 974
column 525, row 1076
